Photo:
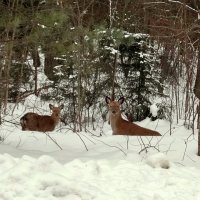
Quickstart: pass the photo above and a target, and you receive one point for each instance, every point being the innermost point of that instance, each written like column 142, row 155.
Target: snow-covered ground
column 32, row 166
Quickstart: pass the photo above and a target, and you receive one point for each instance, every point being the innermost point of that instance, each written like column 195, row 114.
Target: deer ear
column 121, row 100
column 107, row 99
column 51, row 106
column 61, row 106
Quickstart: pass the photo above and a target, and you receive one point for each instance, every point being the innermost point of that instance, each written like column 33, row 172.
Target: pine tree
column 140, row 66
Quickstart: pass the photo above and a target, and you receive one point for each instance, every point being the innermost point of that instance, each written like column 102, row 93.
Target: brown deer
column 122, row 127
column 43, row 123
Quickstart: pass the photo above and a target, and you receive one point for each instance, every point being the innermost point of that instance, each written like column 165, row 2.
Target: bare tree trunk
column 8, row 61
column 74, row 107
column 36, row 64
column 1, row 99
column 177, row 102
column 1, row 92
column 198, row 143
column 8, row 55
column 79, row 95
column 197, row 94
column 198, row 127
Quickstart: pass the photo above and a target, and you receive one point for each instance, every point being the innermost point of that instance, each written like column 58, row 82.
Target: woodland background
column 147, row 51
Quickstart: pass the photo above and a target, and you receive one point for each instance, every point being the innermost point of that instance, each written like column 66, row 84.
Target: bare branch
column 178, row 2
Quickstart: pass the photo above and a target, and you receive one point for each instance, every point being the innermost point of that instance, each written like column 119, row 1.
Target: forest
column 77, row 52
column 121, row 79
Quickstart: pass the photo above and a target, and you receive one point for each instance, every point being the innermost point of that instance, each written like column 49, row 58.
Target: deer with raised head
column 43, row 123
column 121, row 126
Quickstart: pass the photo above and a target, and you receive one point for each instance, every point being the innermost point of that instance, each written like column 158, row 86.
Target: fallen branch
column 79, row 137
column 54, row 141
column 186, row 145
column 147, row 147
column 113, row 147
column 82, row 141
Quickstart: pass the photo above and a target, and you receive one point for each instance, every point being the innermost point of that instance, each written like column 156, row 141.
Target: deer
column 43, row 123
column 121, row 126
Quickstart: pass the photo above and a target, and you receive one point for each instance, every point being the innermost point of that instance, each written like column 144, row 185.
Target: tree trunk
column 36, row 64
column 198, row 143
column 197, row 94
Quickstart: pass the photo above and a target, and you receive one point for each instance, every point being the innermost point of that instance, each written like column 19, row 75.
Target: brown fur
column 123, row 127
column 43, row 123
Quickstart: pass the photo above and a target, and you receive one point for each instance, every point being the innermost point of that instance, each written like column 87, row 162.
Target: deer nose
column 113, row 112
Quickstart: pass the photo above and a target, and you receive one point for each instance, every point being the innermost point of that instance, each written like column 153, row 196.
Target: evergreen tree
column 140, row 66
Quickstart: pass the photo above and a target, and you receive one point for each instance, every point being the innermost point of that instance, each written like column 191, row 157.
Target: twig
column 92, row 134
column 54, row 141
column 89, row 139
column 10, row 122
column 80, row 137
column 82, row 140
column 147, row 147
column 169, row 148
column 186, row 144
column 113, row 147
column 127, row 142
column 191, row 158
column 114, row 73
column 143, row 145
column 19, row 142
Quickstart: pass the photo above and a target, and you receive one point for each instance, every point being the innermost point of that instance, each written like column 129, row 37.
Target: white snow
column 154, row 110
column 45, row 178
column 158, row 160
column 114, row 168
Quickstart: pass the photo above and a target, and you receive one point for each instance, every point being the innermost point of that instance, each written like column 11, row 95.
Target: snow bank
column 158, row 160
column 45, row 178
column 113, row 168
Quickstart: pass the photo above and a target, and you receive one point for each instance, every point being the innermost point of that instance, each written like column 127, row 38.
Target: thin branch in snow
column 81, row 140
column 186, row 145
column 54, row 141
column 147, row 146
column 113, row 147
column 80, row 137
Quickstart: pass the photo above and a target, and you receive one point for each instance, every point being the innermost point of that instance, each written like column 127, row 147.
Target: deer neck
column 115, row 120
column 55, row 117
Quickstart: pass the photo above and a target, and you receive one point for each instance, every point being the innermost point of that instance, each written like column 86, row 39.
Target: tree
column 197, row 93
column 140, row 65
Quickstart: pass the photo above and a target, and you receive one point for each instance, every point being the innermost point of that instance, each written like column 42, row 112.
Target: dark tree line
column 74, row 43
